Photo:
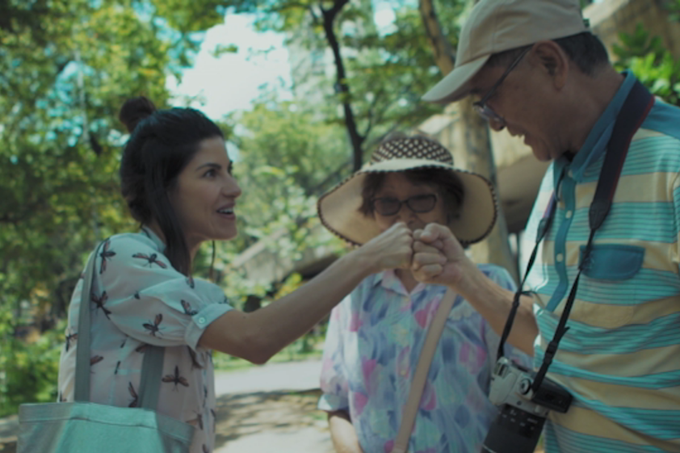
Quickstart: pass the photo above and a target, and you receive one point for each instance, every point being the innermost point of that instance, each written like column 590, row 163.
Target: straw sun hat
column 339, row 208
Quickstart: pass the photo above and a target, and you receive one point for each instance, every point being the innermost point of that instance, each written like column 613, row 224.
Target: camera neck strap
column 635, row 109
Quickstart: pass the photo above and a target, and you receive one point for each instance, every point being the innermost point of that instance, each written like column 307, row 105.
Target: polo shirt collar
column 596, row 142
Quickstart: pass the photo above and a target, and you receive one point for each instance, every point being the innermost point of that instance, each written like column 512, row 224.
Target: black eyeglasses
column 484, row 110
column 391, row 206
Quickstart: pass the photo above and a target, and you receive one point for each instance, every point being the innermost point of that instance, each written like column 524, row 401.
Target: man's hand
column 438, row 256
column 440, row 259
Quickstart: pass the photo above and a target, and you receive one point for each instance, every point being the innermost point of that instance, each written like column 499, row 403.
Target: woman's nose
column 405, row 213
column 231, row 188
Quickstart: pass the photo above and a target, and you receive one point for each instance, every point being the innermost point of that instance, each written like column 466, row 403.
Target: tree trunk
column 474, row 144
column 341, row 86
column 443, row 52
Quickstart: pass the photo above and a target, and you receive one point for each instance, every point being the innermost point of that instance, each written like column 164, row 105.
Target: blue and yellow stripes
column 621, row 356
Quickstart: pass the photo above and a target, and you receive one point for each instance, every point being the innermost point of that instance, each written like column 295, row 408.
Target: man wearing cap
column 535, row 68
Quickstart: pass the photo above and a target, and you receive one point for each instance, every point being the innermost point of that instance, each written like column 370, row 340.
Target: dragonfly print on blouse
column 95, row 360
column 198, row 420
column 71, row 336
column 190, row 282
column 135, row 398
column 105, row 254
column 155, row 327
column 177, row 379
column 151, row 259
column 194, row 359
column 188, row 309
column 100, row 301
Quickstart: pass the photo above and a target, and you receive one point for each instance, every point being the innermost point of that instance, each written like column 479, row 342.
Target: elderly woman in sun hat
column 375, row 334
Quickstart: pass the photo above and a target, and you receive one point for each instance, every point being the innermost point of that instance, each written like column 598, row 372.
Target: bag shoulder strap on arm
column 152, row 366
column 420, row 377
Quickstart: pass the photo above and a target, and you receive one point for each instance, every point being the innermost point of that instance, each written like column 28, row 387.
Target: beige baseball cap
column 498, row 25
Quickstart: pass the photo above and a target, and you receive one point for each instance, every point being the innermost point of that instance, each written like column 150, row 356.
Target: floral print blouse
column 137, row 299
column 372, row 348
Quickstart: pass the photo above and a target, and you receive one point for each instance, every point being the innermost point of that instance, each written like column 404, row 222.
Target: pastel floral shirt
column 138, row 299
column 372, row 348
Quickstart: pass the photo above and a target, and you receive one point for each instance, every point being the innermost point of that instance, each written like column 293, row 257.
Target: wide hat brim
column 339, row 208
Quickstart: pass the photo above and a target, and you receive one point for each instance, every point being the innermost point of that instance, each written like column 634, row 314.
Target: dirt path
column 268, row 421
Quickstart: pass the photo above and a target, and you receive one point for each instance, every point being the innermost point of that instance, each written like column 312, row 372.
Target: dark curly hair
column 161, row 144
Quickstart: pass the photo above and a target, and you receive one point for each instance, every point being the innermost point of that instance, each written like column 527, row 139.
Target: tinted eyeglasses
column 484, row 110
column 391, row 206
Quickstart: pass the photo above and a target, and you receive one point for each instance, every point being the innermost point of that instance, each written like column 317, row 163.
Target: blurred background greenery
column 66, row 66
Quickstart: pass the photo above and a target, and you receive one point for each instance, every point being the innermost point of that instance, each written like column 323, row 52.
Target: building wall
column 611, row 17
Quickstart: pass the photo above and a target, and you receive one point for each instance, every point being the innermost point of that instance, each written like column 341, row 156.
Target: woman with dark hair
column 376, row 335
column 176, row 179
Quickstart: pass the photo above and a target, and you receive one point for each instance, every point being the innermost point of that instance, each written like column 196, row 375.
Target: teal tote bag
column 86, row 427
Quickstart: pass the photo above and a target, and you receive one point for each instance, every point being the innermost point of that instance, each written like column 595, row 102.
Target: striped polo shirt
column 621, row 356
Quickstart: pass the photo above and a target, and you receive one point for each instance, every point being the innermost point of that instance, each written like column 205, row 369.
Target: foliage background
column 66, row 66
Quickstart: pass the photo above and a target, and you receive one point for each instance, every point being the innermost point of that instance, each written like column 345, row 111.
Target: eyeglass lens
column 419, row 203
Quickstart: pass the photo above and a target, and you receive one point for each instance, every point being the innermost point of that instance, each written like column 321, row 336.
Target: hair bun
column 135, row 110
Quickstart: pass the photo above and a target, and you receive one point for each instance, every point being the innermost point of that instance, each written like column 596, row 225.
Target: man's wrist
column 471, row 281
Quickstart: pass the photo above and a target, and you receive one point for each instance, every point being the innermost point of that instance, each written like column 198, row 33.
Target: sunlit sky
column 232, row 81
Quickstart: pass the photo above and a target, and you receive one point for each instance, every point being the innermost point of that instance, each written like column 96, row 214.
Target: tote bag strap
column 419, row 378
column 152, row 367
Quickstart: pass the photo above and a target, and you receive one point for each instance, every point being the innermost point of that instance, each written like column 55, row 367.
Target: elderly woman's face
column 420, row 204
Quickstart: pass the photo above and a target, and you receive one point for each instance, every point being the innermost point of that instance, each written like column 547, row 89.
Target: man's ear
column 553, row 61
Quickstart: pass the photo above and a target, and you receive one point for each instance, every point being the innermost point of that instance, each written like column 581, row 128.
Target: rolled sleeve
column 332, row 403
column 201, row 320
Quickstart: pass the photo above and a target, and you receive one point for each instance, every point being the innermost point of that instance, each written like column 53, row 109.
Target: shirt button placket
column 569, row 199
column 565, row 209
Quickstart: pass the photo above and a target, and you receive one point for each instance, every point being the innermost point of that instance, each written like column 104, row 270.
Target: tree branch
column 315, row 17
column 341, row 86
column 443, row 52
column 370, row 116
column 288, row 5
column 335, row 9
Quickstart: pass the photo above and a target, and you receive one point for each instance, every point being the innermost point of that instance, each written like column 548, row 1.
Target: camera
column 522, row 410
